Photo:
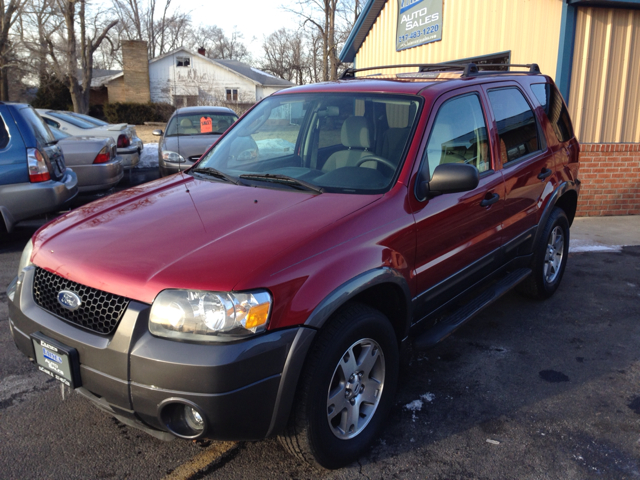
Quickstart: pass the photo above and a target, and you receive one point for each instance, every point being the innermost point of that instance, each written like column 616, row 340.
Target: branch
column 99, row 40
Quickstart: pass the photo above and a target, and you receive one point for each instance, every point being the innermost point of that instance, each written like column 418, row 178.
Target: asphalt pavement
column 526, row 390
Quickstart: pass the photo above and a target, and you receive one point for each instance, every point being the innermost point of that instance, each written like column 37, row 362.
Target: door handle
column 490, row 201
column 544, row 173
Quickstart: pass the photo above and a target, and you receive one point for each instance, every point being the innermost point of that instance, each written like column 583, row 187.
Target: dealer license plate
column 56, row 360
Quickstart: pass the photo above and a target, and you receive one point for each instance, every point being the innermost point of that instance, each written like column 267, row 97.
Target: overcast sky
column 252, row 18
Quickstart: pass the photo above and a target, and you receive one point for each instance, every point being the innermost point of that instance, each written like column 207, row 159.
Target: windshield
column 200, row 124
column 345, row 143
column 90, row 119
column 75, row 121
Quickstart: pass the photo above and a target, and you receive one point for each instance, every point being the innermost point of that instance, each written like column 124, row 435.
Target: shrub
column 137, row 113
column 53, row 94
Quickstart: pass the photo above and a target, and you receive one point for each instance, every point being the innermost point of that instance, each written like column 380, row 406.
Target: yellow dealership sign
column 419, row 22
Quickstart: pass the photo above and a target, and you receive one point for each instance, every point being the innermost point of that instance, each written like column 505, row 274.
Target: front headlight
column 25, row 259
column 172, row 157
column 209, row 316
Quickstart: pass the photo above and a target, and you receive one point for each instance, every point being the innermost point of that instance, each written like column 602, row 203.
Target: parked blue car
column 33, row 176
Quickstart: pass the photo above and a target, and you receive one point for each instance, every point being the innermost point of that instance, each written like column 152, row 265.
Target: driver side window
column 459, row 135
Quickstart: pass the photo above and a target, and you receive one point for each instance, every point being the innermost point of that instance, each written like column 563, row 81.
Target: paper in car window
column 206, row 125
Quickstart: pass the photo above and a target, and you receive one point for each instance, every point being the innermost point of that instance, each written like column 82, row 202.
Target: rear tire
column 346, row 389
column 549, row 258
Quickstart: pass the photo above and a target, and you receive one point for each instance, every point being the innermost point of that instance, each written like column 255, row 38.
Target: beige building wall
column 604, row 100
column 136, row 71
column 530, row 29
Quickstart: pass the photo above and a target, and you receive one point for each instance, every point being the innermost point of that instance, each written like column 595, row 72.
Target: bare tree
column 218, row 45
column 285, row 56
column 65, row 62
column 9, row 13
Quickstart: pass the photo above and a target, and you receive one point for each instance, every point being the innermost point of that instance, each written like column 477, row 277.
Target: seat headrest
column 185, row 122
column 356, row 133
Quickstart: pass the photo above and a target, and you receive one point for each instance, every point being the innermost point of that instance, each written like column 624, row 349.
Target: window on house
column 232, row 95
column 183, row 62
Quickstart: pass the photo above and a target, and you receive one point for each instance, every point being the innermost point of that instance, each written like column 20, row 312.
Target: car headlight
column 172, row 157
column 25, row 258
column 209, row 316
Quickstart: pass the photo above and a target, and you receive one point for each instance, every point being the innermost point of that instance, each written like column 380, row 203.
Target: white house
column 184, row 78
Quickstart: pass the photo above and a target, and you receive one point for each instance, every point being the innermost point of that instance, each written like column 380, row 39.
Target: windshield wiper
column 284, row 180
column 212, row 172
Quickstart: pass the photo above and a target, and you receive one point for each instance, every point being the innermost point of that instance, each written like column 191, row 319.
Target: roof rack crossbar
column 468, row 69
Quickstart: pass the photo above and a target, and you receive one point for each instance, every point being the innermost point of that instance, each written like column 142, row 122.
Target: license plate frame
column 57, row 360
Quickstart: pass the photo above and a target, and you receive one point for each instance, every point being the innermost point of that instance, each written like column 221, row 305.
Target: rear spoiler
column 118, row 126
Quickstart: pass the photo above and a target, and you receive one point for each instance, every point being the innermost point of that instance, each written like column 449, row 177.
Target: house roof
column 256, row 76
column 100, row 77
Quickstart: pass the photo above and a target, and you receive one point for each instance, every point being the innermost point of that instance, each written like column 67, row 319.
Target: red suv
column 273, row 287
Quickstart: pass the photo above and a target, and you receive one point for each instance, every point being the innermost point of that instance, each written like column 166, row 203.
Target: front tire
column 549, row 258
column 346, row 389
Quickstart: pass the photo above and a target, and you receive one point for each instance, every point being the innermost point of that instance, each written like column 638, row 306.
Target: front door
column 458, row 234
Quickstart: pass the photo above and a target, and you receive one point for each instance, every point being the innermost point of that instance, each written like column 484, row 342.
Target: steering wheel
column 380, row 160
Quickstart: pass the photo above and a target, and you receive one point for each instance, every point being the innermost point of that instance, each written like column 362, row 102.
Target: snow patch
column 149, row 156
column 428, row 397
column 595, row 248
column 414, row 406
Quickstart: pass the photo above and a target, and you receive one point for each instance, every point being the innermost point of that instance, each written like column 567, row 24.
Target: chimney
column 202, row 52
column 136, row 71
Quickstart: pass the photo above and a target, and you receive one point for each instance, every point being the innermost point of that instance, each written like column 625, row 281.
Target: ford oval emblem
column 69, row 300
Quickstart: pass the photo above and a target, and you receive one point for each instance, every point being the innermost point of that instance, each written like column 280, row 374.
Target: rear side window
column 459, row 135
column 555, row 109
column 75, row 121
column 517, row 129
column 40, row 129
column 4, row 135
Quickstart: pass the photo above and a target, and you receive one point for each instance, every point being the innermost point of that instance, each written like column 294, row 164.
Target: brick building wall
column 136, row 71
column 610, row 175
column 116, row 91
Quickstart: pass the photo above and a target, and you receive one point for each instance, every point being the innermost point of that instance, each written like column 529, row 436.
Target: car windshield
column 40, row 129
column 90, row 119
column 75, row 121
column 200, row 124
column 343, row 143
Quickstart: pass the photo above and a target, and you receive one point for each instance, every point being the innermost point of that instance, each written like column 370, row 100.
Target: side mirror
column 157, row 133
column 450, row 178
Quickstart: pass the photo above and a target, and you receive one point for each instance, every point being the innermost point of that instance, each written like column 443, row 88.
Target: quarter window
column 555, row 109
column 517, row 128
column 4, row 135
column 459, row 135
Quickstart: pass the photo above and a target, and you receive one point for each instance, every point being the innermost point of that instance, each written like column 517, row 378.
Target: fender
column 306, row 334
column 563, row 188
column 355, row 286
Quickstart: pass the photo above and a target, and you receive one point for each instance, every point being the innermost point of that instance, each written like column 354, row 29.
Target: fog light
column 193, row 418
column 182, row 418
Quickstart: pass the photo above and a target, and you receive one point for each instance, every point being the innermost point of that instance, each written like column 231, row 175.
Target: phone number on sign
column 418, row 33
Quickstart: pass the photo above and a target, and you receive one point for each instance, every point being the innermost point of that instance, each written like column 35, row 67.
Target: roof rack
column 468, row 69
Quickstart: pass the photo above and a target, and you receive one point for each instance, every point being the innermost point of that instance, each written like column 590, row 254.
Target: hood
column 181, row 232
column 190, row 145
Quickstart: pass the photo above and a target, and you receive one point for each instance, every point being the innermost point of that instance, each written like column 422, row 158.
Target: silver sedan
column 93, row 159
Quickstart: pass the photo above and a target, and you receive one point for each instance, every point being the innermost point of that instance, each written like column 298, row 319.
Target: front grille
column 99, row 311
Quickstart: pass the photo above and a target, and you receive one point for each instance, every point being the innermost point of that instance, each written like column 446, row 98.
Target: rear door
column 527, row 162
column 458, row 234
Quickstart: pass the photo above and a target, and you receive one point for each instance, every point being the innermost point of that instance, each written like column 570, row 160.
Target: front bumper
column 24, row 200
column 243, row 389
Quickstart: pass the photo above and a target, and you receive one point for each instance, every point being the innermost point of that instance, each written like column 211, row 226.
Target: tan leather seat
column 187, row 128
column 356, row 138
